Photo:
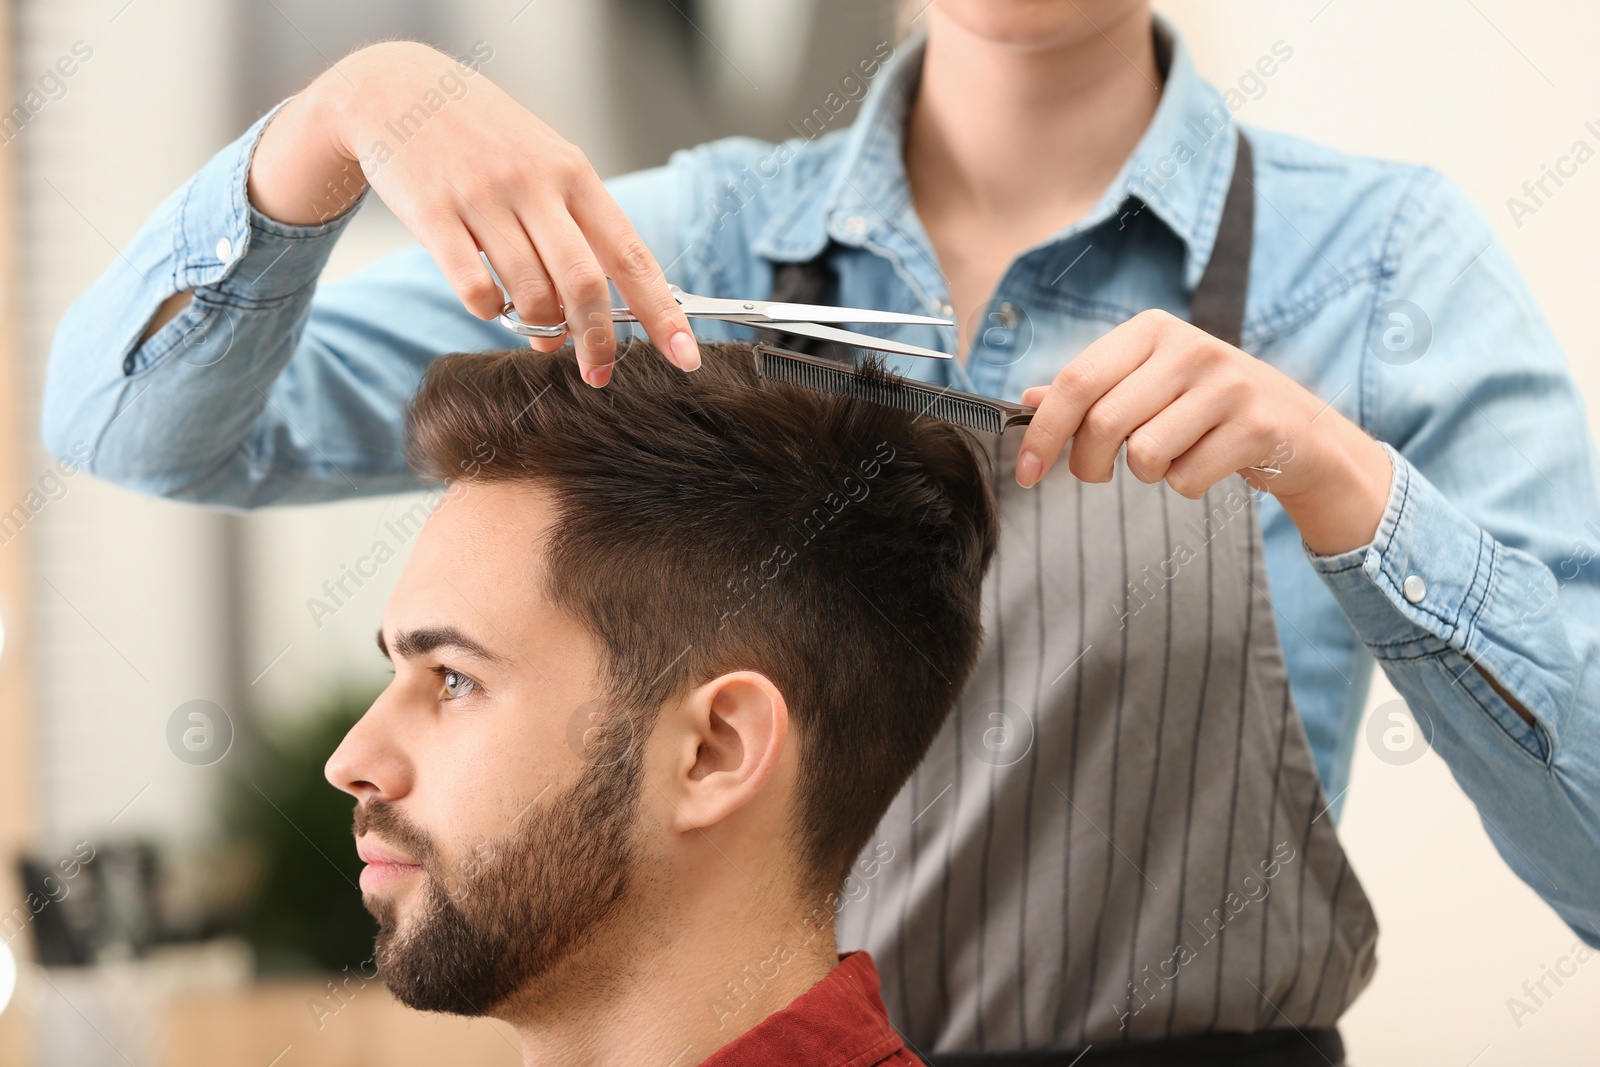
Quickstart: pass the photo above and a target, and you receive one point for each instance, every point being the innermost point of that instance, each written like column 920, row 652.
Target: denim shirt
column 1375, row 285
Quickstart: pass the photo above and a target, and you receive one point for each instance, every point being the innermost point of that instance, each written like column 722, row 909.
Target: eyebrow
column 409, row 644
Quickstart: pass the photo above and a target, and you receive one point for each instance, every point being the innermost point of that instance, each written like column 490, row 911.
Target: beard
column 498, row 921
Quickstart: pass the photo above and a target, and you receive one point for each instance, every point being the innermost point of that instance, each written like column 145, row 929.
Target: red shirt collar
column 839, row 1022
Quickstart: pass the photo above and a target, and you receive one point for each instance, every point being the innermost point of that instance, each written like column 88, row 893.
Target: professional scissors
column 803, row 319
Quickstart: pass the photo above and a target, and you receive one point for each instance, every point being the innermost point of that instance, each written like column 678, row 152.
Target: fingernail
column 684, row 351
column 1027, row 467
column 596, row 376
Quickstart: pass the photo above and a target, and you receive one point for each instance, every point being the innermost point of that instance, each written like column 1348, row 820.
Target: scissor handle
column 508, row 319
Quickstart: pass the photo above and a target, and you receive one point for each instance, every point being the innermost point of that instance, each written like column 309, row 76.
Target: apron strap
column 1218, row 303
column 806, row 282
column 812, row 281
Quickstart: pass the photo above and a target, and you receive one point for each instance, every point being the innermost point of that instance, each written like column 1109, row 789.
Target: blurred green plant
column 305, row 912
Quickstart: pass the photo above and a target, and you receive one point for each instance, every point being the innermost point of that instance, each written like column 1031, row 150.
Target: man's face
column 494, row 849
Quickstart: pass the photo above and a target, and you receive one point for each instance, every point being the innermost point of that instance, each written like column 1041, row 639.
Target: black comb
column 975, row 412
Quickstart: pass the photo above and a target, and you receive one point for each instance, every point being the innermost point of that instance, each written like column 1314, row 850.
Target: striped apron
column 1119, row 841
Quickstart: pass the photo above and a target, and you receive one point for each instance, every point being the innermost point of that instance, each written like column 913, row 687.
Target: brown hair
column 716, row 521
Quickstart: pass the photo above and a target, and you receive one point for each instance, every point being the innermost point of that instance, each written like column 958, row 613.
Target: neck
column 998, row 124
column 682, row 986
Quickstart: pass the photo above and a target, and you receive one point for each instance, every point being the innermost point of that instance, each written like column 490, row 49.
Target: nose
column 371, row 763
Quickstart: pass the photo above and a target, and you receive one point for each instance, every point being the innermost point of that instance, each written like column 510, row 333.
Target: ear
column 727, row 739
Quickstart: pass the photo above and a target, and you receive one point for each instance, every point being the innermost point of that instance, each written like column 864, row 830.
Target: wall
column 126, row 589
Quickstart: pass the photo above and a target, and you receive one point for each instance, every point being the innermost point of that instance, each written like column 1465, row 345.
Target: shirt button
column 1415, row 589
column 855, row 224
column 946, row 309
column 1008, row 314
column 224, row 249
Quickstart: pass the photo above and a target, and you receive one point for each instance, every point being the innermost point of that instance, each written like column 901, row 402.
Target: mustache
column 385, row 820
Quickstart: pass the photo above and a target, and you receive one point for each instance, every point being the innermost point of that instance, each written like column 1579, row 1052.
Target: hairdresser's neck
column 1001, row 128
column 717, row 960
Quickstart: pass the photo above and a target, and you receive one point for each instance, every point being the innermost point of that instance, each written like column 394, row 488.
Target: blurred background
column 176, row 879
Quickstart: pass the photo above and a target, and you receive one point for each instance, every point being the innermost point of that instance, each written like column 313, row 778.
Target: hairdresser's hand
column 466, row 167
column 1193, row 410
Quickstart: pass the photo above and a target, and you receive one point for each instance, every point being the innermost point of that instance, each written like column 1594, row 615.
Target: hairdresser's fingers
column 630, row 263
column 1077, row 386
column 1058, row 415
column 584, row 292
column 455, row 252
column 532, row 289
column 1222, row 450
column 1128, row 405
column 553, row 315
column 511, row 253
column 1155, row 446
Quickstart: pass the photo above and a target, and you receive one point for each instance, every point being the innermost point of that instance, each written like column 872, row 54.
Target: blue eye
column 456, row 684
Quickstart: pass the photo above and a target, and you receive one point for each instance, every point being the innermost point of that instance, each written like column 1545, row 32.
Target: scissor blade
column 845, row 337
column 783, row 312
column 773, row 312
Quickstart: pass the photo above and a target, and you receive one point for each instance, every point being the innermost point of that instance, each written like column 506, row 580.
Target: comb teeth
column 914, row 397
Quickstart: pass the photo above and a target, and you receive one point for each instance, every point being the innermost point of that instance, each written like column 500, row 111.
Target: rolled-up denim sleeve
column 169, row 414
column 270, row 388
column 1486, row 560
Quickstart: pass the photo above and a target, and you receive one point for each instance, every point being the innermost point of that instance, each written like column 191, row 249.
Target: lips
column 384, row 865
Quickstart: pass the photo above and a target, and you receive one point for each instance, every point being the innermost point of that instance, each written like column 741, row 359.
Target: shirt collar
column 839, row 1022
column 1179, row 169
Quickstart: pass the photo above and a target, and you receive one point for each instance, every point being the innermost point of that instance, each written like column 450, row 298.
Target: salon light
column 8, row 974
column 8, row 962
